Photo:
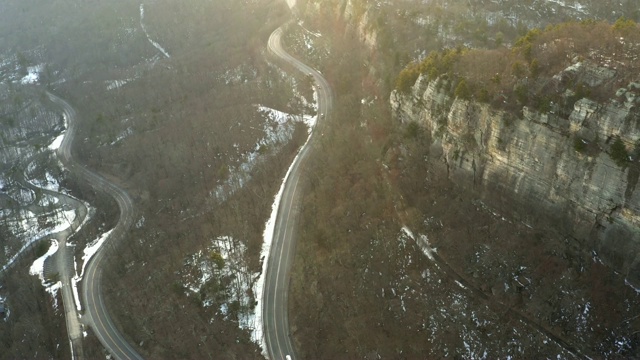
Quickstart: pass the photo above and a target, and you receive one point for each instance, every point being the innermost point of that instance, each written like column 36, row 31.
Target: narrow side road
column 276, row 286
column 96, row 314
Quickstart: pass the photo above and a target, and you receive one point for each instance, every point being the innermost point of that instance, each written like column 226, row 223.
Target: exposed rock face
column 536, row 158
column 359, row 17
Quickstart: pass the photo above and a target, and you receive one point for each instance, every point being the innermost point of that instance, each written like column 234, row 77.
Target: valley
column 311, row 179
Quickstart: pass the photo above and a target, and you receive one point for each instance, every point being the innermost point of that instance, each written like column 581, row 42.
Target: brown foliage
column 535, row 59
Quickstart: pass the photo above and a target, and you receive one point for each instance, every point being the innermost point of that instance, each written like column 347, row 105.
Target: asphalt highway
column 96, row 314
column 276, row 286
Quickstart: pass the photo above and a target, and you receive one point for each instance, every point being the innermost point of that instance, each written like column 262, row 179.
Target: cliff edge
column 579, row 165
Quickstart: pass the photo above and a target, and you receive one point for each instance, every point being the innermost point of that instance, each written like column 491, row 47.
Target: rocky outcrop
column 356, row 14
column 558, row 165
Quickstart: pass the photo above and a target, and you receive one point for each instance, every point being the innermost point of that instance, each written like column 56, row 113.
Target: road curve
column 276, row 286
column 96, row 314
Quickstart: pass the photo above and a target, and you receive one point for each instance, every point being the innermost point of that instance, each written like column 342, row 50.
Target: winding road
column 96, row 314
column 276, row 286
column 275, row 304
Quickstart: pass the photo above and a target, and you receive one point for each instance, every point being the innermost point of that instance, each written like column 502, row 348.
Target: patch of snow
column 47, row 200
column 278, row 129
column 92, row 248
column 89, row 215
column 22, row 196
column 76, row 296
column 577, row 6
column 115, row 84
column 583, row 318
column 224, row 261
column 626, row 282
column 55, row 145
column 155, row 44
column 123, row 135
column 37, row 269
column 574, row 67
column 33, row 75
column 368, row 101
column 205, row 274
column 53, row 290
column 140, row 223
column 49, row 183
column 623, row 344
column 282, row 118
column 422, row 241
column 596, row 258
column 308, row 42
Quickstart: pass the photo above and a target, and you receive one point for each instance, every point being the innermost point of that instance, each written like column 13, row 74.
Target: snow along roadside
column 258, row 288
column 91, row 249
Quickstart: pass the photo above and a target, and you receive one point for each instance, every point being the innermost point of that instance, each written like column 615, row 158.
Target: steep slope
column 563, row 144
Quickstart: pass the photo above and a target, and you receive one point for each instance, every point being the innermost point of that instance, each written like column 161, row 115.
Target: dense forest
column 176, row 104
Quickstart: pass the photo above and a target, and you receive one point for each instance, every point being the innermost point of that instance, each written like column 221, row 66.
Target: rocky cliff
column 563, row 166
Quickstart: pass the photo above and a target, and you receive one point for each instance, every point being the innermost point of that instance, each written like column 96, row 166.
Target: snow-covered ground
column 37, row 269
column 47, row 200
column 29, row 227
column 21, row 195
column 55, row 144
column 48, row 183
column 40, row 221
column 90, row 250
column 258, row 335
column 278, row 130
column 33, row 75
column 223, row 264
column 267, row 236
column 45, row 180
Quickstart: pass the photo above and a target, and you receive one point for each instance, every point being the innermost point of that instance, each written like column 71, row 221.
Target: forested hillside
column 401, row 251
column 400, row 255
